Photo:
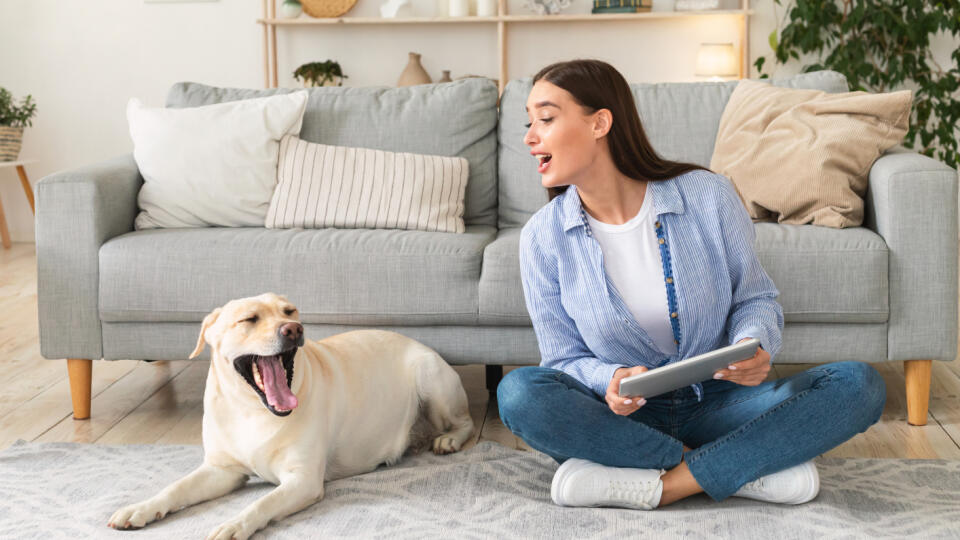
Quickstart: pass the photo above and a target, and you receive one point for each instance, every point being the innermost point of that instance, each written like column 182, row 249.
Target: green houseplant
column 320, row 73
column 13, row 119
column 883, row 45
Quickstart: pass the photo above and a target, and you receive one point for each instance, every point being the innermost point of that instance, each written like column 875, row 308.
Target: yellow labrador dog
column 297, row 413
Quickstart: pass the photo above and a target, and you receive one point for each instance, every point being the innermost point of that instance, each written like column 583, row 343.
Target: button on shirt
column 719, row 291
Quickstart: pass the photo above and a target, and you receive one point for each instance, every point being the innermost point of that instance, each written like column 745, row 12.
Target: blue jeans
column 737, row 433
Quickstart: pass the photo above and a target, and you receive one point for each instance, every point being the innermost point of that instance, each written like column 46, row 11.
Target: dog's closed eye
column 251, row 319
column 289, row 311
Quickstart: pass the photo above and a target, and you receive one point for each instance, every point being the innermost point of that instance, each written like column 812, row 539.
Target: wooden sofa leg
column 917, row 375
column 81, row 372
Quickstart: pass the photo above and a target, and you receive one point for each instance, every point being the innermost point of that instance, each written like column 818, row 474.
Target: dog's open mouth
column 270, row 377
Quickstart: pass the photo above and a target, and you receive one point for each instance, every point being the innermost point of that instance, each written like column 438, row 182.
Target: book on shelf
column 626, row 9
column 622, row 3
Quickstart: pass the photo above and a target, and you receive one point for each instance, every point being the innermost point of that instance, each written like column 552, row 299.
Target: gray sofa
column 885, row 291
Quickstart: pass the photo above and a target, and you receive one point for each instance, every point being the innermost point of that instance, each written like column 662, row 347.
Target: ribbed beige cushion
column 361, row 188
column 802, row 156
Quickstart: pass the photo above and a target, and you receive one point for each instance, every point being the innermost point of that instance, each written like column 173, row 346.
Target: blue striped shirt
column 714, row 282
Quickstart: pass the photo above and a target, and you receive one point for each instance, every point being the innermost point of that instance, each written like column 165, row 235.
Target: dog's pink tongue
column 275, row 383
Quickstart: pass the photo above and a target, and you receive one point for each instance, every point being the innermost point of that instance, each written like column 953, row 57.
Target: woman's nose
column 529, row 137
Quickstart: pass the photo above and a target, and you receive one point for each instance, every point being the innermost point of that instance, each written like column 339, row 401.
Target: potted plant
column 12, row 121
column 320, row 73
column 881, row 46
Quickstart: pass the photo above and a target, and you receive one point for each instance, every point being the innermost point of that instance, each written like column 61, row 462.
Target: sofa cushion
column 680, row 119
column 802, row 156
column 824, row 275
column 344, row 276
column 417, row 119
column 501, row 294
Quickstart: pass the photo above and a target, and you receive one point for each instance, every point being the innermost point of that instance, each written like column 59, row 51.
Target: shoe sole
column 810, row 472
column 557, row 487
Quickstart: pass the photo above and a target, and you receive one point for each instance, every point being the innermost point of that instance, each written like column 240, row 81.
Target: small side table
column 25, row 182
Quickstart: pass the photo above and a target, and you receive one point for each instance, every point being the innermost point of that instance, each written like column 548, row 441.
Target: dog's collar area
column 275, row 374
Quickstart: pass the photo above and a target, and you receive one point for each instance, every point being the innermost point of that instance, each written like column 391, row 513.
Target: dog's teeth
column 256, row 376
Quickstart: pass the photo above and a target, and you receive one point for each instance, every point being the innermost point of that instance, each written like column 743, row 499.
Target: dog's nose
column 292, row 331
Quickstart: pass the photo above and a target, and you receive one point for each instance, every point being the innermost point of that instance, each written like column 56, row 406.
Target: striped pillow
column 319, row 185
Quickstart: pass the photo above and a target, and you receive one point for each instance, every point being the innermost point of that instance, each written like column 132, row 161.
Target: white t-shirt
column 631, row 259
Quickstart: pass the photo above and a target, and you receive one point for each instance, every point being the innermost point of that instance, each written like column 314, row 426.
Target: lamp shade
column 716, row 60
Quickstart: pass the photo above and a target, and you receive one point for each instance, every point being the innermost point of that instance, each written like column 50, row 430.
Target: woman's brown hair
column 596, row 85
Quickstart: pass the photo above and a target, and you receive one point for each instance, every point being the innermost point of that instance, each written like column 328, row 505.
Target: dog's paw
column 445, row 444
column 231, row 530
column 136, row 516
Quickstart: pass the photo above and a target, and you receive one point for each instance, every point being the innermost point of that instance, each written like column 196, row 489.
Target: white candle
column 486, row 8
column 459, row 8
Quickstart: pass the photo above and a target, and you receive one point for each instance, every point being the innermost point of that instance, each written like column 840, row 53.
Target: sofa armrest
column 912, row 203
column 77, row 211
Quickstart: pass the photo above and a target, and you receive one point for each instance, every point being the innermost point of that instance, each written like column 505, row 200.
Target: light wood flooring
column 161, row 402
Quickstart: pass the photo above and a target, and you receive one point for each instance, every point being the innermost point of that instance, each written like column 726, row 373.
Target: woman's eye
column 544, row 120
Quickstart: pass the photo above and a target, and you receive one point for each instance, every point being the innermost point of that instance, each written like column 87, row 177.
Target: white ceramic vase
column 290, row 9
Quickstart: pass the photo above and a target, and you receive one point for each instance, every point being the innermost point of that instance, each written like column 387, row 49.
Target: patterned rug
column 66, row 490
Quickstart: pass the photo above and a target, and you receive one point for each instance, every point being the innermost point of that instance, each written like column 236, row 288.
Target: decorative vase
column 290, row 9
column 414, row 72
column 10, row 140
column 546, row 7
column 392, row 9
column 446, row 76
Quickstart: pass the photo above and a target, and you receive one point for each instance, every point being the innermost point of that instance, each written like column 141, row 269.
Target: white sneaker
column 579, row 482
column 795, row 485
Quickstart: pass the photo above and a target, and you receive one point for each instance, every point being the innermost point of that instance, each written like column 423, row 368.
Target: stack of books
column 621, row 6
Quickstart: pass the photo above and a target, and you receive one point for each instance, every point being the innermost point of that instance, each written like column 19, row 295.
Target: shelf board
column 572, row 17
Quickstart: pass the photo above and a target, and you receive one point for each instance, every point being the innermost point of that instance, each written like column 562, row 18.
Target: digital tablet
column 686, row 372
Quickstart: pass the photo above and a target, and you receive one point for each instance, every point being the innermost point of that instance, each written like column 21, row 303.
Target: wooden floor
column 161, row 402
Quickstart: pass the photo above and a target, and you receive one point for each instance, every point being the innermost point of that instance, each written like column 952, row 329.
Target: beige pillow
column 802, row 156
column 319, row 185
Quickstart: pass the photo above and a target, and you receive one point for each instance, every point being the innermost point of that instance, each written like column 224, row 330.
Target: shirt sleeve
column 561, row 345
column 755, row 311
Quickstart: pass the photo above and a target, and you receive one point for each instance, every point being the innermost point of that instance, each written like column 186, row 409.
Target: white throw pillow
column 337, row 186
column 214, row 165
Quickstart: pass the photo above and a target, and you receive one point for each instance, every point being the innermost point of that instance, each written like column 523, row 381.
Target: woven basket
column 326, row 8
column 10, row 139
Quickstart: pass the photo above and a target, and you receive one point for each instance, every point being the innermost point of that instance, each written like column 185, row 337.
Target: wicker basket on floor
column 326, row 8
column 10, row 140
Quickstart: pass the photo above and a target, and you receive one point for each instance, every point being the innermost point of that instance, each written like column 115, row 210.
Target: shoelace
column 631, row 492
column 756, row 485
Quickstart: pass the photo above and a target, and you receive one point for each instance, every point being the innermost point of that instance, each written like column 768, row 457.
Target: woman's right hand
column 624, row 405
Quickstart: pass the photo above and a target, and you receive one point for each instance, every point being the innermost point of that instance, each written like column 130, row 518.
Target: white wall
column 82, row 61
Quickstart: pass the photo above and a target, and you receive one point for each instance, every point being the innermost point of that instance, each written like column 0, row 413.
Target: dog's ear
column 207, row 322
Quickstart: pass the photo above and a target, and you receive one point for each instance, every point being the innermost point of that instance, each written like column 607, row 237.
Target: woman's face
column 560, row 135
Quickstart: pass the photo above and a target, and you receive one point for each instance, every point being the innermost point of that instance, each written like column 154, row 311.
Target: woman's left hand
column 749, row 372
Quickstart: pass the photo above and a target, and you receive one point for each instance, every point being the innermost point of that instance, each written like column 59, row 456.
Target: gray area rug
column 67, row 490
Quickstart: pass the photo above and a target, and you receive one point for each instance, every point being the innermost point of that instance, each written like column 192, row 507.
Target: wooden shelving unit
column 270, row 24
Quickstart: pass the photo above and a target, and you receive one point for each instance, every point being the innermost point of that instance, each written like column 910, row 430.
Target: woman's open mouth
column 544, row 162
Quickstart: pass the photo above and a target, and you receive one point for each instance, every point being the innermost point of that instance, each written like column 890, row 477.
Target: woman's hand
column 749, row 372
column 624, row 405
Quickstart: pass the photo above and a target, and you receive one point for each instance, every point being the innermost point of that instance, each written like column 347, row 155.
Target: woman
column 638, row 262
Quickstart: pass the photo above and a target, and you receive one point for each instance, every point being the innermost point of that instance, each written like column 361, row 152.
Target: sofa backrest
column 681, row 121
column 449, row 119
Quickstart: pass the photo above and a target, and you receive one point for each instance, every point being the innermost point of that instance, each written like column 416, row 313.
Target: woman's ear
column 207, row 323
column 602, row 123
